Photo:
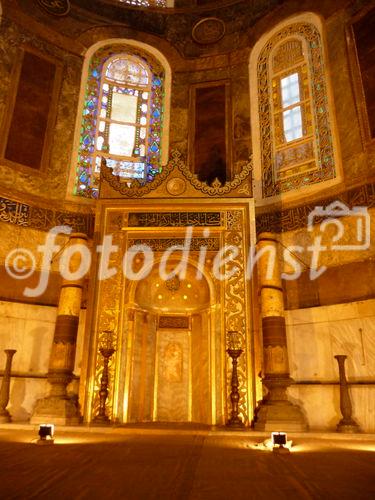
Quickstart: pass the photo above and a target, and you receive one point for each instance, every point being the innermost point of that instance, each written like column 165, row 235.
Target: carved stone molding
column 108, row 321
column 43, row 219
column 55, row 7
column 162, row 244
column 235, row 305
column 208, row 30
column 296, row 217
column 241, row 185
column 175, row 219
column 134, row 189
column 216, row 189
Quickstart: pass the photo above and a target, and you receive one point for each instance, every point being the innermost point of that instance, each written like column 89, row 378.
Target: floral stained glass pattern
column 146, row 3
column 122, row 118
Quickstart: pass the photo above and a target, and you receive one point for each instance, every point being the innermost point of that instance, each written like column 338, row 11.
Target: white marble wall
column 29, row 329
column 315, row 336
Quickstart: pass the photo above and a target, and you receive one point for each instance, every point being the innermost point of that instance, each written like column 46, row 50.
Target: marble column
column 58, row 407
column 275, row 412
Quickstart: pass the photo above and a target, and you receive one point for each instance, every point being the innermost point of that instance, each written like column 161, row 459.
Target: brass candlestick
column 234, row 352
column 107, row 352
column 346, row 424
column 5, row 386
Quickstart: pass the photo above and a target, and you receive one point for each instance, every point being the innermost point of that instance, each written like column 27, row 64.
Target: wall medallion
column 208, row 30
column 176, row 186
column 55, row 7
column 173, row 284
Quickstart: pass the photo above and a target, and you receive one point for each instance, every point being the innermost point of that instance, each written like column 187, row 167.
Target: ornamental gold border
column 270, row 186
column 235, row 305
column 112, row 302
column 138, row 190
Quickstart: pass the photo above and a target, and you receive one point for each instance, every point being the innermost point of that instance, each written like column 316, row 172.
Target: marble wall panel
column 363, row 401
column 315, row 336
column 321, row 405
column 23, row 395
column 173, row 371
column 29, row 329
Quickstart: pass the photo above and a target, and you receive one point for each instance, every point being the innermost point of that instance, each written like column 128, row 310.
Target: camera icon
column 331, row 214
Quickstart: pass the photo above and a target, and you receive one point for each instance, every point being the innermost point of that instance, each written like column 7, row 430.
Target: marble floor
column 182, row 463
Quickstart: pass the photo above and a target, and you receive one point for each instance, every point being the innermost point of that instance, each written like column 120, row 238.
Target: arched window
column 122, row 118
column 293, row 140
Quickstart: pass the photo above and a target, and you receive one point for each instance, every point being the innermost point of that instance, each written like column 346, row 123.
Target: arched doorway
column 170, row 351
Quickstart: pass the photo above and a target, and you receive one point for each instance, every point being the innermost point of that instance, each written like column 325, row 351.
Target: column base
column 5, row 417
column 99, row 420
column 235, row 423
column 348, row 427
column 280, row 416
column 56, row 411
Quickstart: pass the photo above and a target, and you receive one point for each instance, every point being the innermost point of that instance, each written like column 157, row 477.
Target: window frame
column 267, row 189
column 96, row 57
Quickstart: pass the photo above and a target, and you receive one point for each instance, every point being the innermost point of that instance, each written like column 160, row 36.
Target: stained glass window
column 148, row 3
column 122, row 119
column 293, row 115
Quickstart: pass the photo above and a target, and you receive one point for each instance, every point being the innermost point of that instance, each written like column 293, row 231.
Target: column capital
column 268, row 236
column 80, row 236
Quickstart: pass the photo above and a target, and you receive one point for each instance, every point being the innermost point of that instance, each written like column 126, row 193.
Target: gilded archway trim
column 138, row 190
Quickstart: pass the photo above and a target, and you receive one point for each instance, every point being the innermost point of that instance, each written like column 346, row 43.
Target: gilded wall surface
column 192, row 62
column 358, row 161
column 226, row 69
column 51, row 180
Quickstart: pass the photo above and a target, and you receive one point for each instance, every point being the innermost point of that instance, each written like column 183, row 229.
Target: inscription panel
column 175, row 219
column 43, row 219
column 174, row 322
column 162, row 244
